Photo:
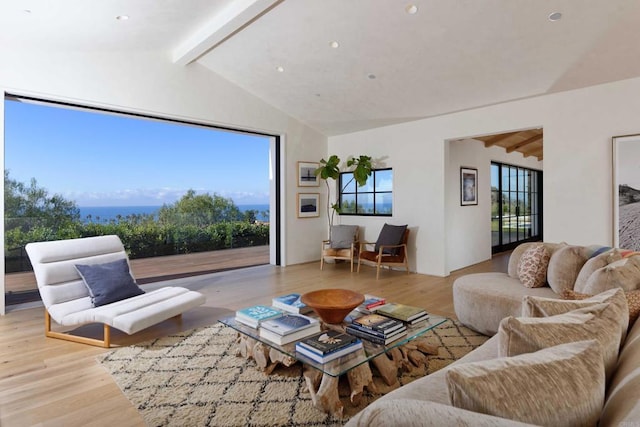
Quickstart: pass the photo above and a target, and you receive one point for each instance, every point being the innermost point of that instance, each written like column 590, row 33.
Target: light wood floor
column 49, row 382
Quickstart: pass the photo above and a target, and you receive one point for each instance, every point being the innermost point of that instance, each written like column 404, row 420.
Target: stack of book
column 377, row 329
column 288, row 328
column 327, row 346
column 291, row 303
column 370, row 304
column 407, row 313
column 253, row 316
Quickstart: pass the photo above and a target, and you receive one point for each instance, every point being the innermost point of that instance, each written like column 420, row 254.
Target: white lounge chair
column 67, row 299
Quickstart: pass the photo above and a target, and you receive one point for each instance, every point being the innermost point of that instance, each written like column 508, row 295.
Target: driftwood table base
column 323, row 388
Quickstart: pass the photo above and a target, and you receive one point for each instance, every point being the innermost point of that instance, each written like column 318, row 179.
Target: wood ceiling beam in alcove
column 498, row 138
column 519, row 145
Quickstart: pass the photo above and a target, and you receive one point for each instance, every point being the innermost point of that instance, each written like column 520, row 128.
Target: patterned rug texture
column 194, row 378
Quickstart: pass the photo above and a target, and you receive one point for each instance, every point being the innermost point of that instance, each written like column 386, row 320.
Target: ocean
column 107, row 213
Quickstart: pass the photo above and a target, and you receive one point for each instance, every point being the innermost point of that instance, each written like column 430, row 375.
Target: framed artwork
column 626, row 192
column 468, row 186
column 308, row 205
column 306, row 175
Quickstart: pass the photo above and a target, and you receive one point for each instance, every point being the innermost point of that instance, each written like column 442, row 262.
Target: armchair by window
column 390, row 250
column 344, row 244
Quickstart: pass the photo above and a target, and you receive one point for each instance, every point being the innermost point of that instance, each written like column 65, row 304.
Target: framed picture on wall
column 308, row 205
column 468, row 186
column 306, row 175
column 626, row 192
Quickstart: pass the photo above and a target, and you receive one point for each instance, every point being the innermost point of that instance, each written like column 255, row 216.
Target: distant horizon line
column 151, row 206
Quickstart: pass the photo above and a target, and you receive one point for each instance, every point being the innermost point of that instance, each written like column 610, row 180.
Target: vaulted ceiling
column 345, row 65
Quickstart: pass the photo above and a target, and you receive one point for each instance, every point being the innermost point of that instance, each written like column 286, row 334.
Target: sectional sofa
column 565, row 348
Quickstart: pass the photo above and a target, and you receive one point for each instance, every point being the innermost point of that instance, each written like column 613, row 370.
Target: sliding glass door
column 516, row 206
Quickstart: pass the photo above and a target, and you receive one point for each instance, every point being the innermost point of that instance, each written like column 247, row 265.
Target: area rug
column 194, row 378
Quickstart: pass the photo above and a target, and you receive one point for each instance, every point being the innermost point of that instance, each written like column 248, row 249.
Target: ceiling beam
column 519, row 145
column 224, row 24
column 498, row 138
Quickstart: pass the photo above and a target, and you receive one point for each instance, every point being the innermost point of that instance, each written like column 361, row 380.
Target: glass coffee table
column 355, row 365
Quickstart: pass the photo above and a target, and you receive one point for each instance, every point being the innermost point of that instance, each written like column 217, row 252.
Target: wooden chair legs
column 106, row 342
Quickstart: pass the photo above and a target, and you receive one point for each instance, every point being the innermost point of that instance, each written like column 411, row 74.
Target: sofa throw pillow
column 562, row 385
column 593, row 264
column 573, row 295
column 633, row 302
column 390, row 235
column 519, row 335
column 624, row 273
column 532, row 268
column 108, row 282
column 516, row 254
column 618, row 311
column 342, row 236
column 564, row 266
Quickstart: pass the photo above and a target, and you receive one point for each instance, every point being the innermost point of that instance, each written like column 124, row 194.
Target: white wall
column 466, row 224
column 578, row 126
column 149, row 83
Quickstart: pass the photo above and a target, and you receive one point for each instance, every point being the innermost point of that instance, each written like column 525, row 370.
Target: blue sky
column 100, row 159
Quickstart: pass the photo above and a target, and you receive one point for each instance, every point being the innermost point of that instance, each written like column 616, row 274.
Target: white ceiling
column 451, row 55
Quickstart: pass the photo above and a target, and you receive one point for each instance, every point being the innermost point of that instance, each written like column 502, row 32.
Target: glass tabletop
column 343, row 364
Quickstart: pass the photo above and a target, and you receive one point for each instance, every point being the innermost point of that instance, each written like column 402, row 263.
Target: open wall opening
column 169, row 188
column 472, row 227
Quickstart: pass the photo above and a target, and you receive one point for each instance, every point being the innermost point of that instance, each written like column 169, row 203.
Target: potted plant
column 330, row 169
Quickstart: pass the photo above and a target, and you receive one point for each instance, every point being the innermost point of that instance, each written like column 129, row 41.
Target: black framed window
column 516, row 206
column 374, row 198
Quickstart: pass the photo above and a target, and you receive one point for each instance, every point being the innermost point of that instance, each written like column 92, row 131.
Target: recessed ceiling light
column 280, row 69
column 411, row 9
column 334, row 44
column 555, row 16
column 122, row 17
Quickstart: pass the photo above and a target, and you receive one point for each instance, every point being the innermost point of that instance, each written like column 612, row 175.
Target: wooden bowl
column 332, row 305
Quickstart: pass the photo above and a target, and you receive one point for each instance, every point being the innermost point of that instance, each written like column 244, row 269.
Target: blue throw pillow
column 108, row 282
column 390, row 235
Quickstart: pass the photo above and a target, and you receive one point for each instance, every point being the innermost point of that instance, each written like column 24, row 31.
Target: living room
column 579, row 122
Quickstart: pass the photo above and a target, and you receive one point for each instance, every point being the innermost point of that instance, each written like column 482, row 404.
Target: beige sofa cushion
column 532, row 268
column 519, row 335
column 594, row 264
column 420, row 413
column 482, row 300
column 559, row 386
column 564, row 266
column 624, row 273
column 622, row 406
column 533, row 306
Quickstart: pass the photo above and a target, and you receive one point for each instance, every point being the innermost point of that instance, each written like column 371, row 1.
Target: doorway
column 516, row 206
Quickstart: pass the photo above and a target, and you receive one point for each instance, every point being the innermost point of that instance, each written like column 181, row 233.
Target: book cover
column 378, row 333
column 370, row 303
column 327, row 342
column 344, row 351
column 289, row 323
column 378, row 322
column 374, row 339
column 401, row 311
column 289, row 338
column 291, row 303
column 255, row 314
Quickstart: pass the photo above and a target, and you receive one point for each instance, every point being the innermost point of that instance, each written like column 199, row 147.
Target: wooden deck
column 148, row 270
